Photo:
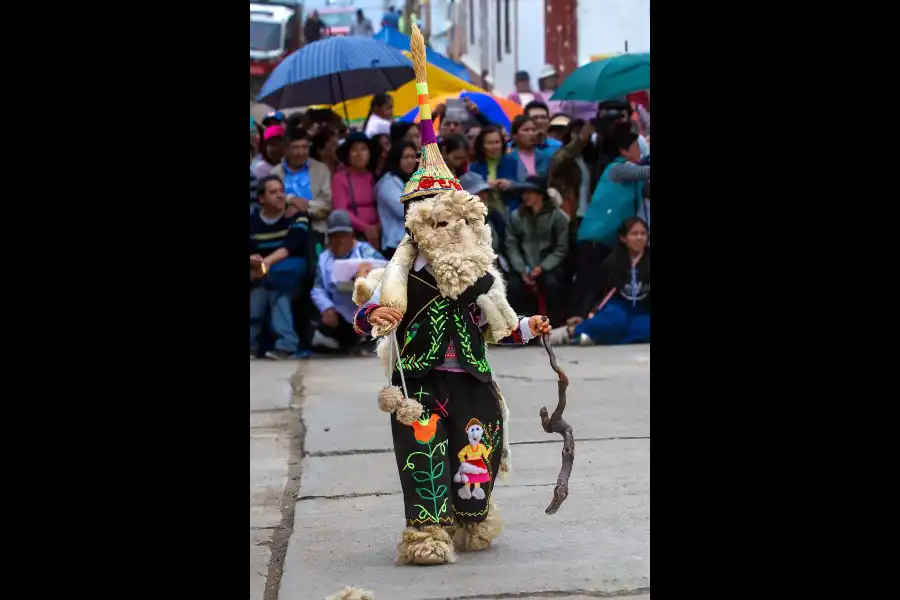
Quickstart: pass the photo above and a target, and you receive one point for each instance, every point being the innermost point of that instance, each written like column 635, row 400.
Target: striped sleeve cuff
column 361, row 323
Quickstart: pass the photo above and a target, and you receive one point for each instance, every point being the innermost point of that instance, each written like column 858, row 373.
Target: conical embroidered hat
column 433, row 175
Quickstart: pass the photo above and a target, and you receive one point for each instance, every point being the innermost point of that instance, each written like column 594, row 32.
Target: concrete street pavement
column 275, row 436
column 348, row 515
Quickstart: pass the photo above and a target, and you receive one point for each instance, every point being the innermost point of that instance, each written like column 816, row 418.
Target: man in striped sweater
column 273, row 238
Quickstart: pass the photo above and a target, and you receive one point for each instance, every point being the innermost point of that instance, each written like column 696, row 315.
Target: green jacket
column 537, row 240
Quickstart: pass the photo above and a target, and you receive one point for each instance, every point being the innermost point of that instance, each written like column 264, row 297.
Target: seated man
column 275, row 237
column 335, row 331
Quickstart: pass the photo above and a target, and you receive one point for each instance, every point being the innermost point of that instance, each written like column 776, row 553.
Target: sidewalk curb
column 282, row 534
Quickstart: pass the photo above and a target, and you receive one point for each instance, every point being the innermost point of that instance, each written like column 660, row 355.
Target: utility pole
column 427, row 7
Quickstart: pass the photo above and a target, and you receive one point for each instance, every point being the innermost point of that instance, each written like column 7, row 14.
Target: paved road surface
column 348, row 515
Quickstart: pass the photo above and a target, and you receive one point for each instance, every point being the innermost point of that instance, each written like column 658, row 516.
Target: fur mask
column 449, row 229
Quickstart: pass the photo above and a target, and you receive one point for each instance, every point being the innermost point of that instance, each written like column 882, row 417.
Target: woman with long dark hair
column 502, row 171
column 455, row 150
column 623, row 315
column 525, row 147
column 324, row 147
column 402, row 131
column 382, row 145
column 381, row 113
column 400, row 165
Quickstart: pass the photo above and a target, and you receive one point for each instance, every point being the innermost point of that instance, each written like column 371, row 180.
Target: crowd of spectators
column 568, row 204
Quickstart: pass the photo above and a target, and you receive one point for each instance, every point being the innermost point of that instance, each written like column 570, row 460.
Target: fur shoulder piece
column 501, row 318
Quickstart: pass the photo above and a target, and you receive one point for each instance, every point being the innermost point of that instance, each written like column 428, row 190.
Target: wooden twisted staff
column 556, row 424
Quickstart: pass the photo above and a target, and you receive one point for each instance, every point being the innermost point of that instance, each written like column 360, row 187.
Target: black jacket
column 632, row 285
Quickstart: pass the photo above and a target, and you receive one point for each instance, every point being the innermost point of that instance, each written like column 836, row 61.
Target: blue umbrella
column 400, row 41
column 335, row 69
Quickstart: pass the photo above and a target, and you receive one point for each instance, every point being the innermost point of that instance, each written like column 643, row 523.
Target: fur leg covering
column 409, row 411
column 352, row 593
column 472, row 537
column 429, row 546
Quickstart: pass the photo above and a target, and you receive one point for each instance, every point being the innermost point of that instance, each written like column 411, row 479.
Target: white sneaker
column 323, row 341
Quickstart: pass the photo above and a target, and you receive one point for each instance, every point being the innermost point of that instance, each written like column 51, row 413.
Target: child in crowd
column 381, row 113
column 277, row 266
column 623, row 316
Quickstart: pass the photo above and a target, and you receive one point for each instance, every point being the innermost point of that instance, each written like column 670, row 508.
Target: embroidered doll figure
column 472, row 467
column 434, row 309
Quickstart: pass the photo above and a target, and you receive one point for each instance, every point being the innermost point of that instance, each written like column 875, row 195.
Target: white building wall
column 526, row 42
column 605, row 25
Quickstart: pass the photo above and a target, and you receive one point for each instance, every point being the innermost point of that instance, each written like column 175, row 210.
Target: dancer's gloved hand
column 385, row 317
column 539, row 326
column 482, row 286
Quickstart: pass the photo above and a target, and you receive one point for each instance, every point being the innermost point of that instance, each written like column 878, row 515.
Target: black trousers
column 344, row 333
column 552, row 284
column 448, row 460
column 585, row 295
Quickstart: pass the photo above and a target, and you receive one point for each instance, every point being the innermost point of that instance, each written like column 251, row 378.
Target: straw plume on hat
column 433, row 176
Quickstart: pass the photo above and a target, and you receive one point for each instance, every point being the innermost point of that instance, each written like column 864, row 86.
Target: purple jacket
column 577, row 109
column 537, row 96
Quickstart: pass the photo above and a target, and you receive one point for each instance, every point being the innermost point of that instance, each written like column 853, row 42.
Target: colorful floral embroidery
column 411, row 333
column 492, row 434
column 425, row 429
column 436, row 495
column 438, row 319
column 465, row 342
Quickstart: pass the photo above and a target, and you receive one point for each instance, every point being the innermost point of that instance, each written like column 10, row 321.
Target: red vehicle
column 276, row 30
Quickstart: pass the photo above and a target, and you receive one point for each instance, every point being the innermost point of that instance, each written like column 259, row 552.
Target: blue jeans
column 617, row 323
column 281, row 319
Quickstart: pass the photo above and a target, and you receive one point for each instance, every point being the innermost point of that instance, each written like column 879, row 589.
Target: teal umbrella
column 607, row 79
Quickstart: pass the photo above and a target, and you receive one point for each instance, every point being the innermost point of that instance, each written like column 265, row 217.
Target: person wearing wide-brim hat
column 353, row 187
column 537, row 244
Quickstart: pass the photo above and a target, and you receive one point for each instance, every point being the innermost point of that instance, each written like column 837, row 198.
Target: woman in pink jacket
column 353, row 187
